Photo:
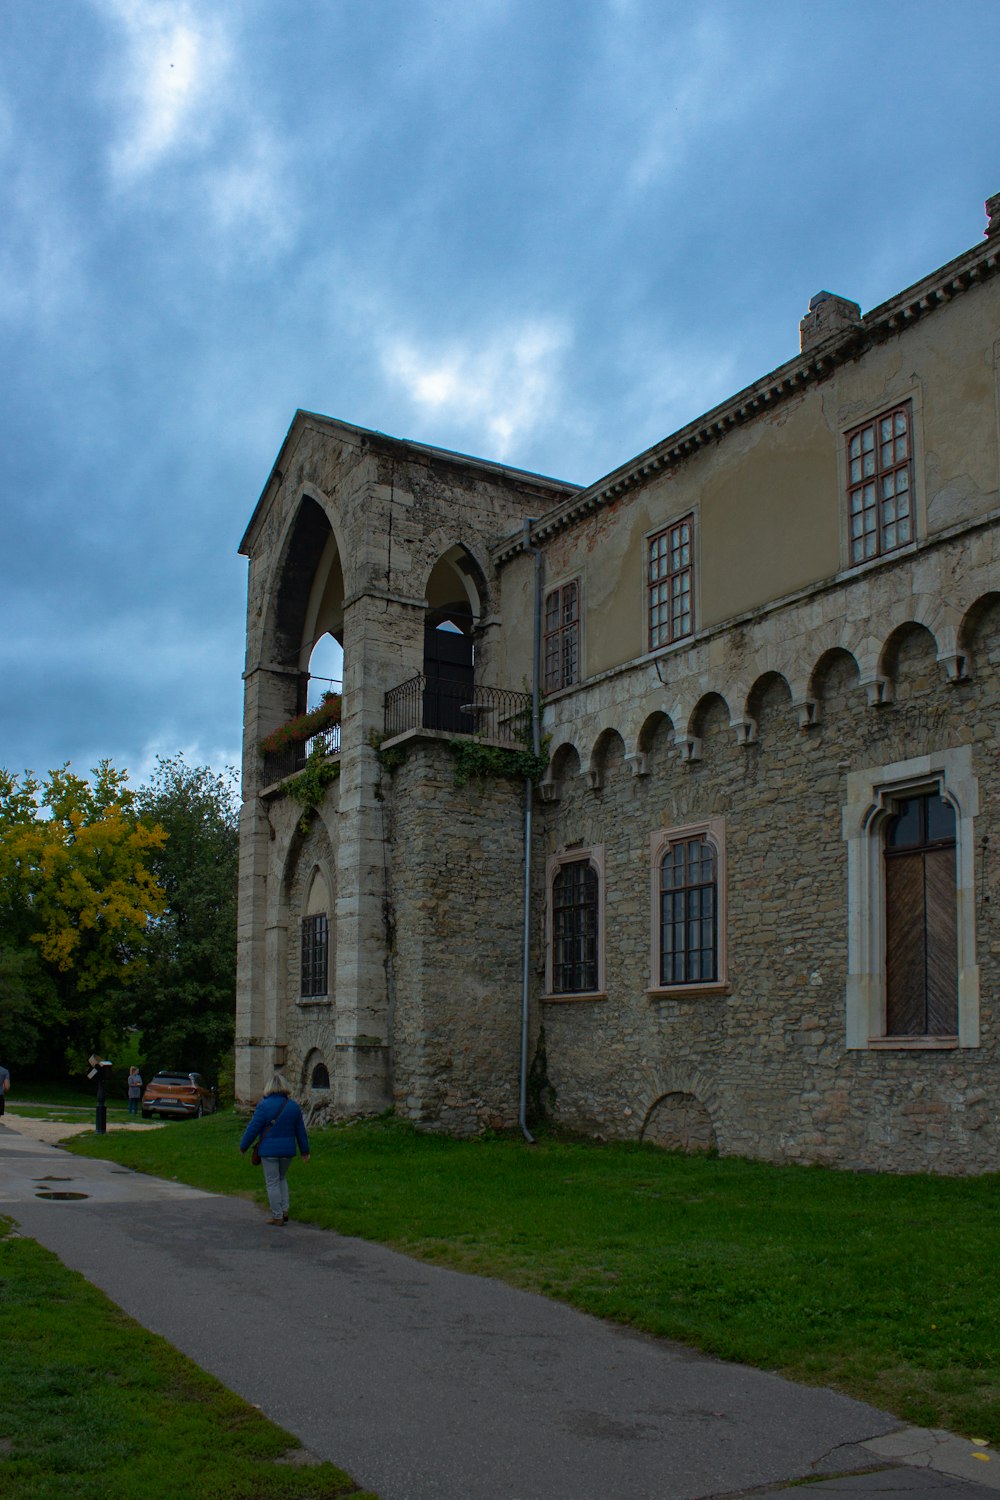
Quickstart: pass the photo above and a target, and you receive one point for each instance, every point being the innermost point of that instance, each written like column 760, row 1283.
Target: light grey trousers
column 276, row 1182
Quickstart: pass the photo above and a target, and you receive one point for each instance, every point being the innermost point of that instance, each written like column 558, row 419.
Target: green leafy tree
column 29, row 1005
column 77, row 897
column 186, row 1005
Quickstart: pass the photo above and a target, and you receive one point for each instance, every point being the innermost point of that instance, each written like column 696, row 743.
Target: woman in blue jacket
column 278, row 1124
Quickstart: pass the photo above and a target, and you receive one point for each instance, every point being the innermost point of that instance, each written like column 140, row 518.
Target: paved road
column 430, row 1385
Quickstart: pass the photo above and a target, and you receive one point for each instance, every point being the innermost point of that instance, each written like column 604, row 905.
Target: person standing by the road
column 134, row 1090
column 278, row 1125
column 4, row 1088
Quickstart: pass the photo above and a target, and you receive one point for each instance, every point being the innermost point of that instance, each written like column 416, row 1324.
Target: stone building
column 749, row 901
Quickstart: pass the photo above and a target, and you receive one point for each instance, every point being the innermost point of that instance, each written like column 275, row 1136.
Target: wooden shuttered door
column 921, row 925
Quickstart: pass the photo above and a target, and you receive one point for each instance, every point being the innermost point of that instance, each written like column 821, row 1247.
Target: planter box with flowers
column 303, row 727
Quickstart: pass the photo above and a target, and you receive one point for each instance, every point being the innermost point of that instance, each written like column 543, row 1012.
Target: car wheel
column 200, row 1110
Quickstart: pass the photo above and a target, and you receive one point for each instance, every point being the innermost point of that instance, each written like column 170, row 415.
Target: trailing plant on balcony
column 308, row 786
column 296, row 731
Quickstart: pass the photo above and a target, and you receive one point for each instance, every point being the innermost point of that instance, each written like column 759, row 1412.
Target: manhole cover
column 62, row 1195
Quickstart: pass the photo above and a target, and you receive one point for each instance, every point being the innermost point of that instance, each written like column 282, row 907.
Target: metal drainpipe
column 536, row 745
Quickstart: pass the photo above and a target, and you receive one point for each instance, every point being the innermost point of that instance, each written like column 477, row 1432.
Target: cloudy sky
column 543, row 231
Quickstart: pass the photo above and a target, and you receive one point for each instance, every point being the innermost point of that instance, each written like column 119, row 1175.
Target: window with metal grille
column 670, row 584
column 880, row 484
column 575, row 929
column 315, row 956
column 689, row 936
column 921, row 947
column 562, row 637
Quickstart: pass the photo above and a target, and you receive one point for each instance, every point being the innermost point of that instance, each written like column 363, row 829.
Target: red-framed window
column 670, row 584
column 880, row 484
column 562, row 637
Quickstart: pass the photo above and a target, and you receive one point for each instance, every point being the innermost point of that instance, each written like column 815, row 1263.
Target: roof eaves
column 815, row 364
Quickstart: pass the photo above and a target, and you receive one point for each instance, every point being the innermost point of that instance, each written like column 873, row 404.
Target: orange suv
column 181, row 1095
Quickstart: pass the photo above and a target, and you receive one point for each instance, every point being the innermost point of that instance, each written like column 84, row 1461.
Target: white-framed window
column 688, row 926
column 913, row 980
column 574, row 946
column 670, row 583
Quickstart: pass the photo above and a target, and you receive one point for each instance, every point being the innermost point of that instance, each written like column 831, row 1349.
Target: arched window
column 576, row 927
column 314, row 968
column 921, row 939
column 688, row 933
column 320, row 1078
column 689, row 936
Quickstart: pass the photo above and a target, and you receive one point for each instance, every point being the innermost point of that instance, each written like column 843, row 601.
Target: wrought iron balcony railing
column 460, row 707
column 281, row 763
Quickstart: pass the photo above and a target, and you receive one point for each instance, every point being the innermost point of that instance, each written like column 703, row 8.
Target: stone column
column 378, row 629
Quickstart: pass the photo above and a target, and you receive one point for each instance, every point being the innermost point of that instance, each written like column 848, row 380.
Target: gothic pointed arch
column 455, row 591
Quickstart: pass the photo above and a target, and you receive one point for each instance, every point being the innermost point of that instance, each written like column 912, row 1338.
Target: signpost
column 98, row 1067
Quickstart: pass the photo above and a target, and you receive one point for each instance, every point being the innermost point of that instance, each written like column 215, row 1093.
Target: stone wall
column 456, row 910
column 763, row 1069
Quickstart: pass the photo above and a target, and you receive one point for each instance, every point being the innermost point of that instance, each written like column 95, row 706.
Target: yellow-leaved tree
column 77, row 902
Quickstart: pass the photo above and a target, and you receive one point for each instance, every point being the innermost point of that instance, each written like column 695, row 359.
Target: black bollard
column 98, row 1068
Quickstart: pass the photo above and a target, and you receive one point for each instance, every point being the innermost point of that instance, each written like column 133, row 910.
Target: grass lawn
column 92, row 1406
column 63, row 1102
column 886, row 1287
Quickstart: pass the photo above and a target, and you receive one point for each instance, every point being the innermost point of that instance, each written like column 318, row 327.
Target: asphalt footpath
column 426, row 1384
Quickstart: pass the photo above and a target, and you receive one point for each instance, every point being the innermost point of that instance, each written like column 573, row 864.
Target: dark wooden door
column 449, row 675
column 921, row 959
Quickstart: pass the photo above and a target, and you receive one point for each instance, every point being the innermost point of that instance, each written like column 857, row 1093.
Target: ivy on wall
column 475, row 761
column 308, row 787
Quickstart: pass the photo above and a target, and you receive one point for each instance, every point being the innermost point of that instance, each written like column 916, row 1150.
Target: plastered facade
column 809, row 695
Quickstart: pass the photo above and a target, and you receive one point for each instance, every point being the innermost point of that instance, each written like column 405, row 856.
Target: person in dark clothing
column 278, row 1126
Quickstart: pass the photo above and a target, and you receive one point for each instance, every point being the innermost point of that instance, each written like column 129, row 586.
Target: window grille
column 880, row 484
column 670, row 584
column 315, row 956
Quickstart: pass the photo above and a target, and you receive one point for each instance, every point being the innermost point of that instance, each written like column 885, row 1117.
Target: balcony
column 459, row 708
column 277, row 764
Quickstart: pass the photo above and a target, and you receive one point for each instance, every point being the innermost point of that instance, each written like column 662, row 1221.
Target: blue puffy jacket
column 282, row 1136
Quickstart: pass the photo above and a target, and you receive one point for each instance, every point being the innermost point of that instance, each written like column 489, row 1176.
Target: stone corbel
column 807, row 712
column 689, row 748
column 595, row 778
column 548, row 791
column 638, row 763
column 955, row 666
column 746, row 731
column 878, row 692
